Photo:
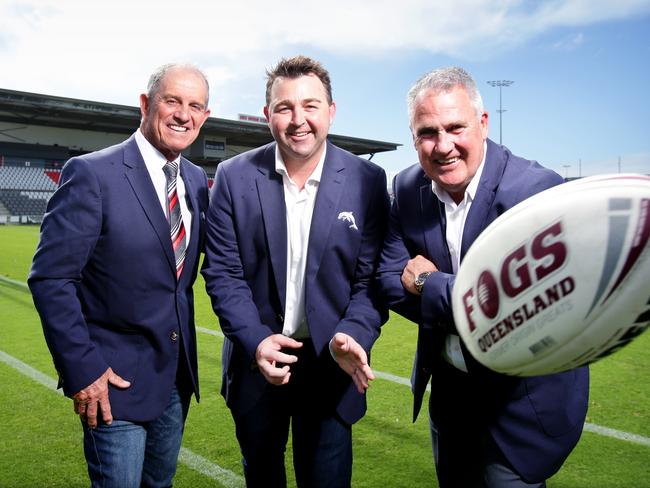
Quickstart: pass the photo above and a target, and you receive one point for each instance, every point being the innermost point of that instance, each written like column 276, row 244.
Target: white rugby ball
column 560, row 280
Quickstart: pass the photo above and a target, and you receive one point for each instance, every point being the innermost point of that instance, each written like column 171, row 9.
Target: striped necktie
column 175, row 218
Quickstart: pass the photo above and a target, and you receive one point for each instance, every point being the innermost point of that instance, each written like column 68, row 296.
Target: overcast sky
column 580, row 101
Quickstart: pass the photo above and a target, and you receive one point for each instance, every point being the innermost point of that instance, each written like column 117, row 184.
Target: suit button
column 280, row 318
column 173, row 336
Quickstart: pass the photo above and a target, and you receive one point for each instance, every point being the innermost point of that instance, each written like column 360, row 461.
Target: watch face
column 419, row 281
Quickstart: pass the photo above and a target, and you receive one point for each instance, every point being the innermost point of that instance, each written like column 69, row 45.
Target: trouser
column 133, row 454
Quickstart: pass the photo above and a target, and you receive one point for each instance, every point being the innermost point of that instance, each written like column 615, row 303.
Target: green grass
column 41, row 437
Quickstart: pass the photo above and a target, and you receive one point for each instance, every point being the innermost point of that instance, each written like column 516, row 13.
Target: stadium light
column 500, row 84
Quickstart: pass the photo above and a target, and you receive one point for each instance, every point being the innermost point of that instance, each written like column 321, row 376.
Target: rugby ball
column 560, row 280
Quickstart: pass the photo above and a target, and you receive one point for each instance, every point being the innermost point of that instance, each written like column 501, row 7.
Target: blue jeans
column 129, row 455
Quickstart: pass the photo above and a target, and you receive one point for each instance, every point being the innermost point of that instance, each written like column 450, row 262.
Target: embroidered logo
column 348, row 217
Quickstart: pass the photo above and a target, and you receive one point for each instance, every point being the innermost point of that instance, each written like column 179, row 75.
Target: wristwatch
column 419, row 281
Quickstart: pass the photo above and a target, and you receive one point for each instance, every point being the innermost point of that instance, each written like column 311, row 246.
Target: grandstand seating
column 27, row 178
column 25, row 190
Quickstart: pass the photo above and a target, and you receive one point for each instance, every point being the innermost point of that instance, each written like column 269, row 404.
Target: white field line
column 194, row 461
column 30, row 372
column 617, row 434
column 593, row 428
column 13, row 282
column 198, row 463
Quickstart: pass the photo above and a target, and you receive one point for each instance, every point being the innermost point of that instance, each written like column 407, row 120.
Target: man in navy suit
column 487, row 429
column 112, row 281
column 294, row 233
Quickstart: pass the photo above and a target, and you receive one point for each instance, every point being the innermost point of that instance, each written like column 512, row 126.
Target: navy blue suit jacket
column 103, row 280
column 245, row 269
column 535, row 421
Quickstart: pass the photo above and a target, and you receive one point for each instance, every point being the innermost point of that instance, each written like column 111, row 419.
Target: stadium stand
column 25, row 188
column 39, row 132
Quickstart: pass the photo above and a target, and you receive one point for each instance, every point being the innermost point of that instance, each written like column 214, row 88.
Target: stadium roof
column 52, row 111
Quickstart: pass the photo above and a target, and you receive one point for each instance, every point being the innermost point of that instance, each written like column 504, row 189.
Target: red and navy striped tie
column 175, row 218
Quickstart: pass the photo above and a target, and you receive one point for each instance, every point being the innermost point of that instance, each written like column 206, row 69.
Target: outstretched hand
column 352, row 359
column 269, row 355
column 87, row 400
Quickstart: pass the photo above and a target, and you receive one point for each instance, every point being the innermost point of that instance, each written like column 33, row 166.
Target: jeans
column 129, row 455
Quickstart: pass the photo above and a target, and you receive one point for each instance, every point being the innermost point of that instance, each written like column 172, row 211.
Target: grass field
column 40, row 437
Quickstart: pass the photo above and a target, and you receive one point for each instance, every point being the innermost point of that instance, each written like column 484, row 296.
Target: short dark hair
column 296, row 67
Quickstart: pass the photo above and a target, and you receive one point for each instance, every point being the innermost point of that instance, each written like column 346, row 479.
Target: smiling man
column 294, row 232
column 488, row 430
column 112, row 281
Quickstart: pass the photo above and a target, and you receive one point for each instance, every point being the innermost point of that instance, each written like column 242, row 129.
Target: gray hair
column 444, row 80
column 153, row 87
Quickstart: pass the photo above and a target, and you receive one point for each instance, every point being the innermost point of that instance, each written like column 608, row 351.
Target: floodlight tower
column 500, row 84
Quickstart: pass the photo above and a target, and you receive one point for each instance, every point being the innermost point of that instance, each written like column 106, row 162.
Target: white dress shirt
column 300, row 207
column 155, row 161
column 456, row 215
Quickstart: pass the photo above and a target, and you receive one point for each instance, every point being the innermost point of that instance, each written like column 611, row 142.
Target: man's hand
column 269, row 354
column 419, row 264
column 352, row 359
column 87, row 400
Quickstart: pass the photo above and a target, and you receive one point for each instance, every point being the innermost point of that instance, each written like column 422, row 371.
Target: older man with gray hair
column 112, row 281
column 487, row 429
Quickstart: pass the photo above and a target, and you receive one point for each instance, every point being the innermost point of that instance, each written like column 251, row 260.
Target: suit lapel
column 271, row 195
column 476, row 218
column 138, row 177
column 329, row 193
column 432, row 215
column 479, row 215
column 479, row 212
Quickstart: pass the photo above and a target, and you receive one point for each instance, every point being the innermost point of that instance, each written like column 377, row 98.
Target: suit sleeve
column 434, row 306
column 436, row 301
column 70, row 229
column 393, row 260
column 366, row 312
column 231, row 296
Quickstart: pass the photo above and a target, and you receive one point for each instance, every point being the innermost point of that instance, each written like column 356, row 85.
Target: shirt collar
column 470, row 191
column 149, row 152
column 315, row 177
